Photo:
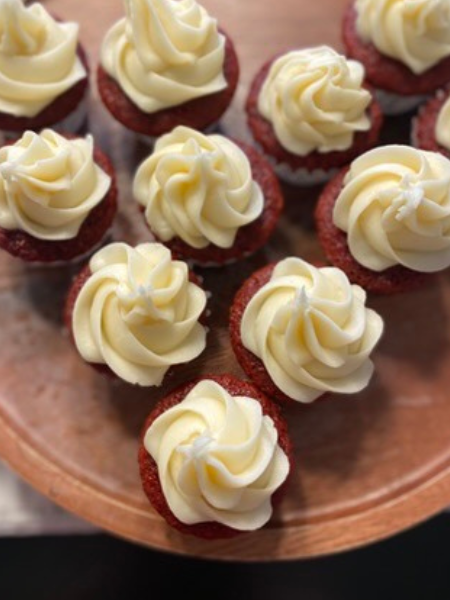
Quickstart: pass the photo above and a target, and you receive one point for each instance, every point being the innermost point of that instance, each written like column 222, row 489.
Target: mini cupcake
column 135, row 313
column 167, row 64
column 311, row 114
column 207, row 198
column 300, row 332
column 404, row 47
column 385, row 221
column 58, row 197
column 43, row 71
column 214, row 458
column 431, row 128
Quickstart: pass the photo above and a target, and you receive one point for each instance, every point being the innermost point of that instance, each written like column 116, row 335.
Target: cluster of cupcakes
column 215, row 454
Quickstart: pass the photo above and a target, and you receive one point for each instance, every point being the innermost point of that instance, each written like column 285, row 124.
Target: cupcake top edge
column 395, row 208
column 38, row 58
column 164, row 53
column 49, row 184
column 415, row 33
column 315, row 100
column 219, row 458
column 312, row 331
column 198, row 188
column 139, row 313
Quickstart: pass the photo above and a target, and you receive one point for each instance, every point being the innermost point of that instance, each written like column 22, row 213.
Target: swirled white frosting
column 312, row 331
column 165, row 53
column 315, row 101
column 49, row 185
column 138, row 313
column 415, row 32
column 395, row 208
column 218, row 458
column 198, row 188
column 442, row 130
column 38, row 58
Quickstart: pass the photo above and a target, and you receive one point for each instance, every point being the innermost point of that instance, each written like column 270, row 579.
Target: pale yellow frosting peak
column 218, row 458
column 312, row 331
column 198, row 188
column 38, row 58
column 415, row 32
column 443, row 126
column 395, row 208
column 49, row 185
column 165, row 53
column 138, row 313
column 315, row 100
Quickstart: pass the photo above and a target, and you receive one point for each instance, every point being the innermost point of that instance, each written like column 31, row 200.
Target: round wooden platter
column 367, row 466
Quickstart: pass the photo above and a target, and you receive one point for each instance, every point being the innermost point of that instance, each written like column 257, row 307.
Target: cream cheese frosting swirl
column 218, row 458
column 49, row 185
column 198, row 188
column 165, row 53
column 38, row 58
column 315, row 101
column 395, row 208
column 442, row 130
column 312, row 331
column 138, row 313
column 415, row 32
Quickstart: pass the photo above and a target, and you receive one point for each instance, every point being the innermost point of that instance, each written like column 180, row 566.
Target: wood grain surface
column 367, row 466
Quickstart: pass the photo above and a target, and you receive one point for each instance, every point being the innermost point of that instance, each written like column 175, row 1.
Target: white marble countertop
column 24, row 511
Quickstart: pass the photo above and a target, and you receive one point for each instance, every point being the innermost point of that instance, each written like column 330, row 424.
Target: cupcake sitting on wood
column 404, row 47
column 215, row 457
column 44, row 75
column 208, row 198
column 58, row 197
column 385, row 220
column 167, row 63
column 311, row 112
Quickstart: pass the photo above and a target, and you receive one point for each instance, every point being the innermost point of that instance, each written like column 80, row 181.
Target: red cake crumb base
column 149, row 469
column 424, row 125
column 200, row 113
column 77, row 284
column 334, row 243
column 72, row 295
column 265, row 136
column 55, row 112
column 92, row 231
column 386, row 73
column 251, row 237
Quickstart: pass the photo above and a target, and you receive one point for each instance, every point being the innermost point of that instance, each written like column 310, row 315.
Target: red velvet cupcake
column 135, row 313
column 214, row 457
column 209, row 199
column 404, row 47
column 431, row 127
column 58, row 197
column 185, row 75
column 385, row 220
column 50, row 86
column 311, row 113
column 300, row 332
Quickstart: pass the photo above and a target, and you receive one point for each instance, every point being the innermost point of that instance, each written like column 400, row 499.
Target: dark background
column 413, row 565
